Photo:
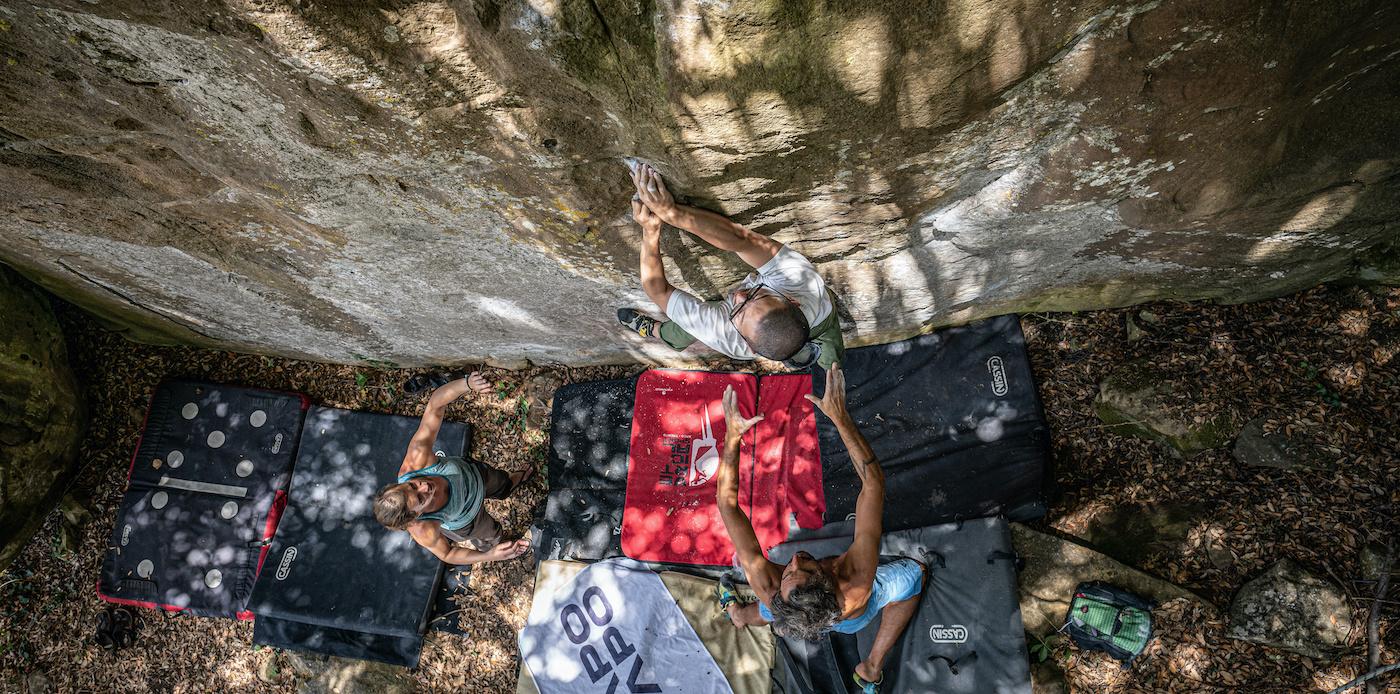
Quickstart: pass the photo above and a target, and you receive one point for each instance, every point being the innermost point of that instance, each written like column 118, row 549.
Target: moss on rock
column 41, row 413
column 1137, row 400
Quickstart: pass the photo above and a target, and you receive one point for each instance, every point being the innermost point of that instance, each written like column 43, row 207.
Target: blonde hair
column 391, row 507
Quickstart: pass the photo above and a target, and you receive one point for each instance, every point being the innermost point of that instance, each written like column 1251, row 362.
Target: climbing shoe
column 726, row 592
column 638, row 322
column 865, row 687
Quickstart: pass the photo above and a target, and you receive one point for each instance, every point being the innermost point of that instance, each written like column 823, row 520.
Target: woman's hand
column 833, row 401
column 651, row 190
column 508, row 550
column 478, row 383
column 735, row 426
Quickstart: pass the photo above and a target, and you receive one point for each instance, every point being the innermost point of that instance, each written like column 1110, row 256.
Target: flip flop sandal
column 425, row 382
column 102, row 635
column 866, row 687
column 123, row 630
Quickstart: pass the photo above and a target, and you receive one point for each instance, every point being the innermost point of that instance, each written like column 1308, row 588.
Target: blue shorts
column 898, row 580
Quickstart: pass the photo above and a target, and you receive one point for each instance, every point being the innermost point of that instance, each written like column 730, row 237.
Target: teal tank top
column 463, row 491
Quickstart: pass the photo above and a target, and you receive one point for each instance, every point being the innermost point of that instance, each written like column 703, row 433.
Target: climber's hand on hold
column 652, row 191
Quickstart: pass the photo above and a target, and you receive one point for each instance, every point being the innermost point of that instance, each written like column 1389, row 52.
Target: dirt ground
column 1320, row 365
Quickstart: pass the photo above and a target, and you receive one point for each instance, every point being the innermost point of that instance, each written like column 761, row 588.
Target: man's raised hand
column 735, row 426
column 833, row 401
column 652, row 191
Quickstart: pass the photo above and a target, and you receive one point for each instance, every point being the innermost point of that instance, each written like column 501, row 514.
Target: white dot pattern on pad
column 245, row 468
column 145, row 568
column 159, row 500
column 229, row 510
column 216, row 439
column 258, row 418
column 189, row 411
column 213, row 578
column 175, row 459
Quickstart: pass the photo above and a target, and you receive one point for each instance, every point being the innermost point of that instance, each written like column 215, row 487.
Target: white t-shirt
column 788, row 273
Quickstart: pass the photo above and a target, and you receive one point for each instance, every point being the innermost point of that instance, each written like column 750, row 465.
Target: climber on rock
column 782, row 311
column 439, row 500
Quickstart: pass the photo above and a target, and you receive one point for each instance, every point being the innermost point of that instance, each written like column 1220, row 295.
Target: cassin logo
column 277, row 443
column 952, row 633
column 285, row 568
column 126, row 535
column 998, row 371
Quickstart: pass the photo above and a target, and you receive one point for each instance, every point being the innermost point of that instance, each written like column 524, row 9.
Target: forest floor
column 1320, row 364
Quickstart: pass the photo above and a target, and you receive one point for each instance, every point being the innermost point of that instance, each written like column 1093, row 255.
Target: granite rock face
column 41, row 413
column 437, row 182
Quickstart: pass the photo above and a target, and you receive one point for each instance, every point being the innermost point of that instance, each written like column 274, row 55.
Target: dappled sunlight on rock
column 860, row 55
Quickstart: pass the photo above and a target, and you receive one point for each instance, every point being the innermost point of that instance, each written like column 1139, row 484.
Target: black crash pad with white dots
column 337, row 582
column 204, row 492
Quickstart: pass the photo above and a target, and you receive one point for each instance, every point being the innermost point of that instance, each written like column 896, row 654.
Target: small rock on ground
column 1374, row 563
column 1137, row 400
column 1291, row 609
column 1132, row 533
column 331, row 675
column 1256, row 448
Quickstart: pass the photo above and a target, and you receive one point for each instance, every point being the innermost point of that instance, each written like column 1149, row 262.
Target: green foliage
column 1041, row 648
column 1320, row 389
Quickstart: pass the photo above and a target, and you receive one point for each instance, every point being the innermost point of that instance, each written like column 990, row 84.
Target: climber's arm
column 654, row 281
column 716, row 229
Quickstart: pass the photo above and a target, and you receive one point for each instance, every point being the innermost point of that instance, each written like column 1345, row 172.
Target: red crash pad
column 677, row 437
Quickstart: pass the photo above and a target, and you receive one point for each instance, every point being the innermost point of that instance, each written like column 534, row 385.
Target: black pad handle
column 954, row 664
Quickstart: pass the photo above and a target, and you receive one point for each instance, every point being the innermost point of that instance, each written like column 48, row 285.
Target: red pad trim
column 274, row 515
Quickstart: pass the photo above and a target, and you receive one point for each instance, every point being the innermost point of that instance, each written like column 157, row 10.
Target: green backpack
column 1104, row 618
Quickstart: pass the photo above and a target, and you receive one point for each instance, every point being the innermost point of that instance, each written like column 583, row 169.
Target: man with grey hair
column 783, row 311
column 808, row 597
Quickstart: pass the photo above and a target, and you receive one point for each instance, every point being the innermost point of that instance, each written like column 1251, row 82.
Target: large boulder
column 41, row 413
column 435, row 182
column 1139, row 399
column 1292, row 609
